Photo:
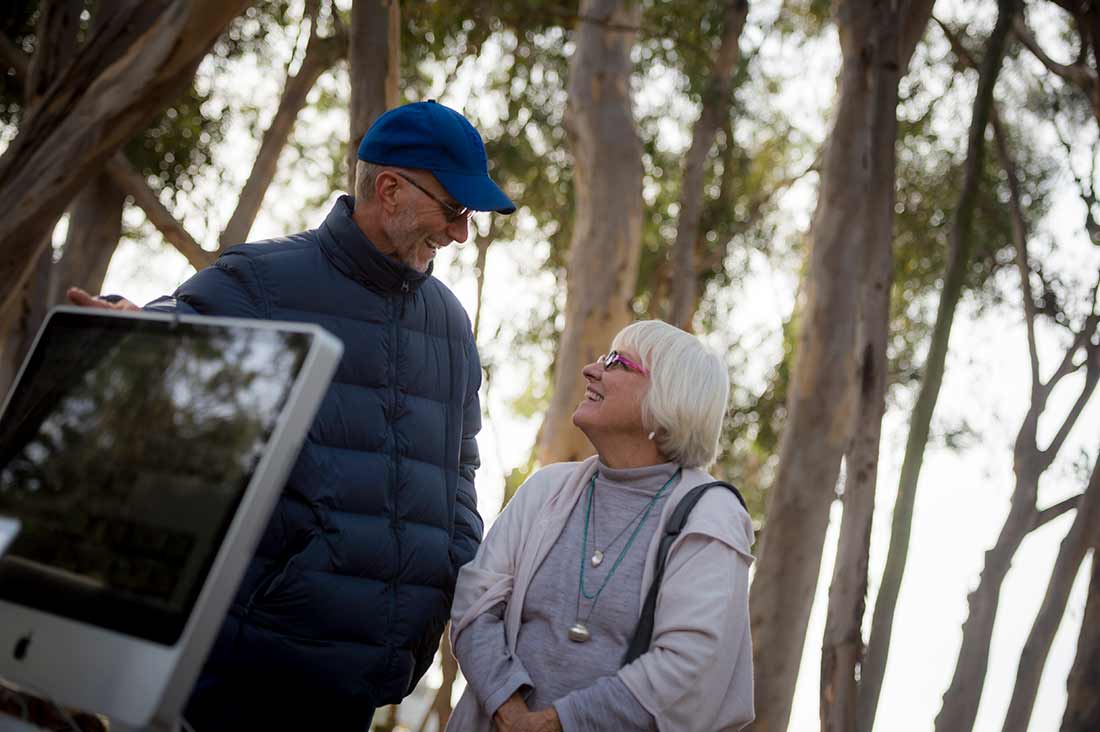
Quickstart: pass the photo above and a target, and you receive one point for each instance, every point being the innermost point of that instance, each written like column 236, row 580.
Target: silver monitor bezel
column 136, row 682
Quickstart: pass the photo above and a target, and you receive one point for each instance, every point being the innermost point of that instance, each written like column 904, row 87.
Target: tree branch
column 320, row 55
column 131, row 181
column 1019, row 239
column 1076, row 74
column 1092, row 375
column 1048, row 514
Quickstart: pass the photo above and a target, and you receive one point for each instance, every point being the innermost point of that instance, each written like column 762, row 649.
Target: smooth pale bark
column 823, row 396
column 320, row 55
column 715, row 108
column 123, row 76
column 878, row 648
column 1066, row 566
column 842, row 649
column 1083, row 685
column 606, row 244
column 374, row 57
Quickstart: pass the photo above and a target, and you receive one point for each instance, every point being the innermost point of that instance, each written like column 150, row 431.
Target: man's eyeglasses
column 450, row 212
column 615, row 358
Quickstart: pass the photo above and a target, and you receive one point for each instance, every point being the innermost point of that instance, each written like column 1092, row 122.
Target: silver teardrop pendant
column 597, row 558
column 578, row 633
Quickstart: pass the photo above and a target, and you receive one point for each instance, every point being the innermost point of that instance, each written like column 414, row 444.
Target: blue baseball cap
column 430, row 136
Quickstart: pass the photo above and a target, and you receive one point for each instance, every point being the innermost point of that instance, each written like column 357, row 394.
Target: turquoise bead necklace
column 578, row 632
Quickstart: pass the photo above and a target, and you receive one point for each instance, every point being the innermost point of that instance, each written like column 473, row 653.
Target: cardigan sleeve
column 605, row 705
column 492, row 673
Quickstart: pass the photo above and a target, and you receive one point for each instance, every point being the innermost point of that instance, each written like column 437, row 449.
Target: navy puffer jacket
column 351, row 584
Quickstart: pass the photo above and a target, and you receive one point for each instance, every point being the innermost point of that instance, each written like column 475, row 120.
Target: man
column 341, row 608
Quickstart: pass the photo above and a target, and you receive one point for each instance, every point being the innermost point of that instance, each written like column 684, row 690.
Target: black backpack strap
column 643, row 632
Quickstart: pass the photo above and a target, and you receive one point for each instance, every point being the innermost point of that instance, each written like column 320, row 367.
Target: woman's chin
column 582, row 415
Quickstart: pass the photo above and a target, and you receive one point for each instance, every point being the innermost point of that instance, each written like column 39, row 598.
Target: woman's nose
column 592, row 371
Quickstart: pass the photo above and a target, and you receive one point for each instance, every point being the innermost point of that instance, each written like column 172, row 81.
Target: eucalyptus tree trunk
column 22, row 312
column 374, row 57
column 1037, row 647
column 95, row 225
column 842, row 649
column 606, row 242
column 823, row 403
column 1083, row 685
column 716, row 101
column 120, row 79
column 878, row 647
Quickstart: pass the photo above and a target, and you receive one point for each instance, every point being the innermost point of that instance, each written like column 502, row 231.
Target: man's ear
column 386, row 190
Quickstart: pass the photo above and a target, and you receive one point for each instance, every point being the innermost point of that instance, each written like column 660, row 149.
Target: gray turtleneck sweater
column 578, row 679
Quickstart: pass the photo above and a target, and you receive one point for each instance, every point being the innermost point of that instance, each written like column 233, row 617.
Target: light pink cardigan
column 697, row 675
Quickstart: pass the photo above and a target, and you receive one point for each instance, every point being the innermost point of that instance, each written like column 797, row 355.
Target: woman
column 543, row 615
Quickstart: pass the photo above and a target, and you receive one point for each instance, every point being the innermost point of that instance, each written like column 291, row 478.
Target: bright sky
column 963, row 494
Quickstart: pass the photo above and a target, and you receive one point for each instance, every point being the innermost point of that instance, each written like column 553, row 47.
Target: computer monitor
column 143, row 454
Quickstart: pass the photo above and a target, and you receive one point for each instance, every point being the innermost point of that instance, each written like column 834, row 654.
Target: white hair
column 688, row 390
column 365, row 173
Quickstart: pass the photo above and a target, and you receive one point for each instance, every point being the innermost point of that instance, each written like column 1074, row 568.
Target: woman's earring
column 652, row 435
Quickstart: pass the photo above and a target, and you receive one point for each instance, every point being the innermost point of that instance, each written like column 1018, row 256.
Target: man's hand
column 79, row 297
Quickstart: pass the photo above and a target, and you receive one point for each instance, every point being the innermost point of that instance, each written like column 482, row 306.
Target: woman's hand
column 514, row 716
column 545, row 720
column 510, row 712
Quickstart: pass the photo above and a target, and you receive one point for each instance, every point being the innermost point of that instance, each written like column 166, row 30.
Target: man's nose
column 459, row 229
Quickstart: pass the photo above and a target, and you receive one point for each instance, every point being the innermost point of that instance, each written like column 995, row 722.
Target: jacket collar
column 356, row 256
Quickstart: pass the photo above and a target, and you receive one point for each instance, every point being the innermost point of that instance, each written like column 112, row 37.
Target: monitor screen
column 124, row 451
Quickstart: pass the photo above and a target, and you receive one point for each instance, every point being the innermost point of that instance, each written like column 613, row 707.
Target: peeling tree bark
column 124, row 75
column 878, row 649
column 823, row 400
column 606, row 243
column 716, row 101
column 375, row 68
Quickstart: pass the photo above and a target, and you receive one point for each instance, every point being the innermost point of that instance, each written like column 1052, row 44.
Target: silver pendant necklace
column 599, row 554
column 578, row 631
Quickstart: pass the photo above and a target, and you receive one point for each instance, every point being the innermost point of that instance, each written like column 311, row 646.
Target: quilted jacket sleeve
column 468, row 524
column 229, row 288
